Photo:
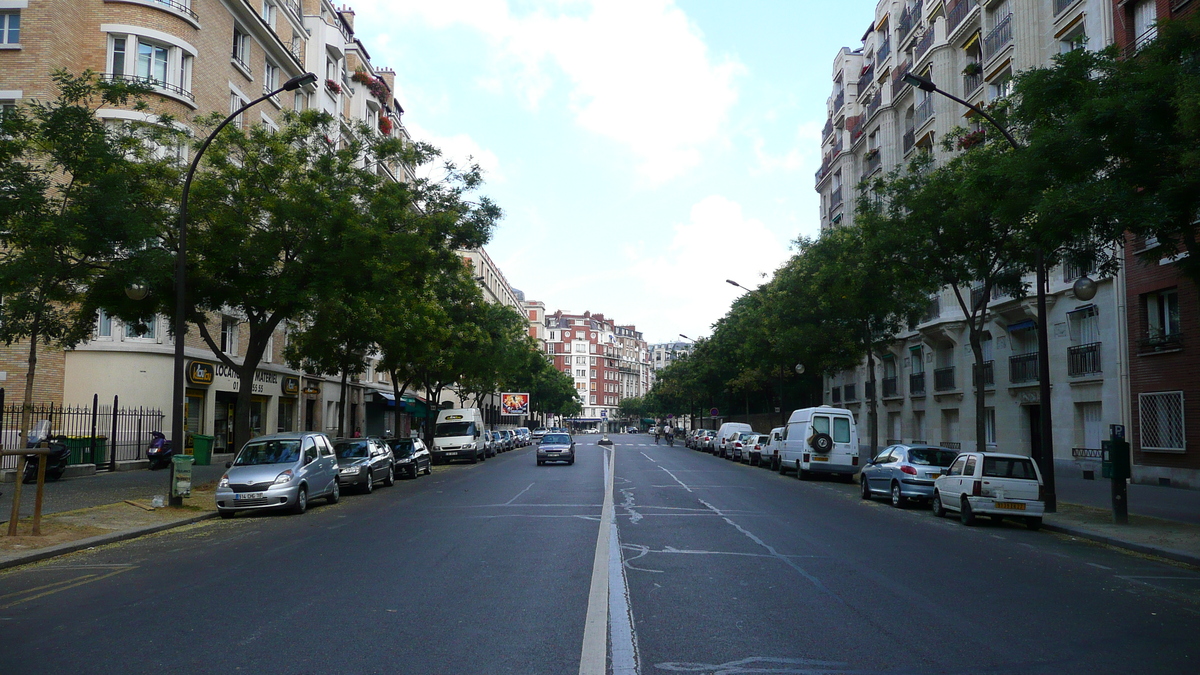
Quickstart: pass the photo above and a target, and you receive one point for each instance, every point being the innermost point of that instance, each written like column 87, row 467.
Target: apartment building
column 608, row 362
column 1164, row 308
column 877, row 122
column 200, row 57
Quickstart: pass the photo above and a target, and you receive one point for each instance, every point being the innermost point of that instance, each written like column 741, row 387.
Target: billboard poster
column 514, row 404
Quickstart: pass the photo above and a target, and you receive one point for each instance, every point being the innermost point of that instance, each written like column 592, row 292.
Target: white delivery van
column 459, row 435
column 820, row 440
column 728, row 432
column 769, row 454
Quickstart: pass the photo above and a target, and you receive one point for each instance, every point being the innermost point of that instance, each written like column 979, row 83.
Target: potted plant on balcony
column 333, row 86
column 971, row 139
column 973, row 68
column 385, row 125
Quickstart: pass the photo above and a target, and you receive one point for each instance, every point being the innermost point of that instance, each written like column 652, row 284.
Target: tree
column 76, row 197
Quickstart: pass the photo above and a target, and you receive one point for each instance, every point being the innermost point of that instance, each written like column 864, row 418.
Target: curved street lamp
column 731, row 282
column 1046, row 455
column 180, row 323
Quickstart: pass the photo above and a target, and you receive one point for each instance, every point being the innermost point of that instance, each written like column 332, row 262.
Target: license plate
column 1011, row 506
column 247, row 495
column 454, row 452
column 934, row 476
column 819, row 458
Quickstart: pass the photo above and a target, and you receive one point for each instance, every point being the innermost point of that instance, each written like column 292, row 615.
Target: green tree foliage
column 75, row 197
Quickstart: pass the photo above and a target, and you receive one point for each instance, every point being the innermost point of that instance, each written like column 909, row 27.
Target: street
column 488, row 568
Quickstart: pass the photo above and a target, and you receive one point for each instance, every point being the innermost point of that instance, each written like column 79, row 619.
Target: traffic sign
column 713, row 412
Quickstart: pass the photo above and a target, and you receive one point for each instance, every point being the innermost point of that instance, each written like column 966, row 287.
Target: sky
column 643, row 151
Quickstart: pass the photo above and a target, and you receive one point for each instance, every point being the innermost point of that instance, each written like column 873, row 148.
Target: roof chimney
column 347, row 15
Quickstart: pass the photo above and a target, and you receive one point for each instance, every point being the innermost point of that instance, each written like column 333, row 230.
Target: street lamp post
column 180, row 326
column 1045, row 457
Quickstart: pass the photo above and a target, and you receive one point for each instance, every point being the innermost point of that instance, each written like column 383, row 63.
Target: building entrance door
column 310, row 414
column 223, row 417
column 1033, row 414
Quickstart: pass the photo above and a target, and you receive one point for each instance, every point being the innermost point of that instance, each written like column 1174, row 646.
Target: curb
column 1169, row 553
column 99, row 540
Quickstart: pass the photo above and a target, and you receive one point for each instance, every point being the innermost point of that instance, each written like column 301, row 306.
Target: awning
column 1083, row 308
column 1028, row 324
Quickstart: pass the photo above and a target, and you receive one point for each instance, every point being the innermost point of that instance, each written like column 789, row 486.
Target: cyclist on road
column 656, row 435
column 670, row 436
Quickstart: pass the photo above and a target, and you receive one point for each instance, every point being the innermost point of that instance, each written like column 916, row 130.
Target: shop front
column 214, row 387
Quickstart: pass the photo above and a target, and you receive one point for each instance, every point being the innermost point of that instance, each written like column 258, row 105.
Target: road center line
column 86, row 579
column 676, row 478
column 593, row 656
column 649, row 457
column 518, row 495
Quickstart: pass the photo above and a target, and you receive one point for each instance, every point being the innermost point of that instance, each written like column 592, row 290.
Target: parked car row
column 285, row 471
column 825, row 440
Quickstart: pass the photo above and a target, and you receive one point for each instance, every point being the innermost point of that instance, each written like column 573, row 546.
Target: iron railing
column 864, row 80
column 839, row 101
column 916, row 384
column 835, row 394
column 910, row 139
column 835, row 198
column 898, row 83
column 93, row 432
column 1060, row 5
column 952, row 445
column 184, row 7
column 825, row 133
column 956, row 12
column 1071, row 271
column 909, row 19
column 884, row 51
column 923, row 44
column 934, row 310
column 1083, row 359
column 1023, row 368
column 943, row 379
column 971, row 83
column 1087, row 453
column 153, row 82
column 923, row 112
column 999, row 38
column 989, row 373
column 876, row 102
column 1160, row 343
column 891, row 387
column 874, row 162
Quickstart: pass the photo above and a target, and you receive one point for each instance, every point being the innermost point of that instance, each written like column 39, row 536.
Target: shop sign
column 291, row 386
column 200, row 372
column 227, row 378
column 312, row 389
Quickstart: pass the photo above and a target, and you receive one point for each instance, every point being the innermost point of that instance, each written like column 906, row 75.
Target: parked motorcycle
column 160, row 451
column 56, row 461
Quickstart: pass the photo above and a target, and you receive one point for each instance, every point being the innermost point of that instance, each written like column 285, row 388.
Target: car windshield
column 454, row 429
column 269, row 452
column 931, row 457
column 1008, row 467
column 351, row 449
column 402, row 447
column 562, row 439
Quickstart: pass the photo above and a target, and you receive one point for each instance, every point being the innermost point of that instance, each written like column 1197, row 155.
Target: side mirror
column 228, row 465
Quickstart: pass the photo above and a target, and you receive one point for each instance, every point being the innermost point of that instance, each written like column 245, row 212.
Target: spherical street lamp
column 137, row 291
column 1084, row 288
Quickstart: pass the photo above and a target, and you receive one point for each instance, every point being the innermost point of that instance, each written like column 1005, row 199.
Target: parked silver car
column 362, row 461
column 279, row 471
column 905, row 472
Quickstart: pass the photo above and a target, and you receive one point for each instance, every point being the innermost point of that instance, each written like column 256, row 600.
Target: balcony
column 989, row 374
column 934, row 310
column 998, row 39
column 943, row 379
column 876, row 102
column 1083, row 359
column 864, row 80
column 923, row 113
column 839, row 101
column 923, row 44
column 1023, row 368
column 908, row 21
column 910, row 139
column 857, row 125
column 166, row 87
column 874, row 162
column 835, row 395
column 1071, row 272
column 827, row 131
column 891, row 387
column 971, row 83
column 1160, row 343
column 898, row 83
column 956, row 12
column 916, row 384
column 1060, row 5
column 884, row 51
column 835, row 199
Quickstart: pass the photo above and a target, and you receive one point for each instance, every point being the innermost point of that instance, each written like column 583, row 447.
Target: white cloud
column 637, row 72
column 461, row 149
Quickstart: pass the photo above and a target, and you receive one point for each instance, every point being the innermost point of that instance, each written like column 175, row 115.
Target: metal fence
column 97, row 434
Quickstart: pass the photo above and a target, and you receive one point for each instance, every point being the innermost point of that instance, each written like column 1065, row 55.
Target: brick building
column 1164, row 309
column 608, row 363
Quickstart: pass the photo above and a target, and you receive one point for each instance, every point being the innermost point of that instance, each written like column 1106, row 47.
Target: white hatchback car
column 992, row 484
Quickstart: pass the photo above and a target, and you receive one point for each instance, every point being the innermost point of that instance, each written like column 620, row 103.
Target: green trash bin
column 81, row 449
column 202, row 449
column 181, row 475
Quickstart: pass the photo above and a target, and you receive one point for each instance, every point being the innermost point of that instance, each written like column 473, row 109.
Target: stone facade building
column 607, row 361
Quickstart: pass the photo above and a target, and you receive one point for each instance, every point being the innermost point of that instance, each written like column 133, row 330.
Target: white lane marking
column 1100, row 566
column 771, row 549
column 594, row 652
column 649, row 458
column 518, row 495
column 620, row 618
column 676, row 478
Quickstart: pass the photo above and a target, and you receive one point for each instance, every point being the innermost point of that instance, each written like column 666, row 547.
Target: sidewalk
column 89, row 511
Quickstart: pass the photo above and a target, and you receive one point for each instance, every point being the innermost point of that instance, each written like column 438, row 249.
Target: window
column 593, row 400
column 103, row 325
column 331, row 69
column 580, row 347
column 270, row 78
column 1073, row 41
column 969, row 469
column 241, row 47
column 918, row 361
column 300, row 102
column 1002, row 86
column 581, row 360
column 1084, row 325
column 236, row 101
column 580, row 373
column 989, row 425
column 593, row 360
column 1161, row 418
column 143, row 332
column 1089, row 425
column 593, row 372
column 229, row 335
column 841, row 430
column 1144, row 30
column 10, row 28
column 268, row 14
column 1162, row 314
column 820, row 424
column 153, row 60
column 918, row 427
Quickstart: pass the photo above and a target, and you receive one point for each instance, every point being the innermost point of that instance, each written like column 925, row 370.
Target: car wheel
column 369, row 487
column 936, row 505
column 335, row 494
column 898, row 499
column 226, row 513
column 475, row 458
column 391, row 477
column 301, row 501
column 1034, row 523
column 540, row 462
column 866, row 488
column 966, row 514
column 429, row 469
column 779, row 465
column 415, row 472
column 571, row 461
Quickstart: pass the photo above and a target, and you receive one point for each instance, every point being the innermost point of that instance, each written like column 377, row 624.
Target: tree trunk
column 980, row 388
column 873, row 410
column 27, row 402
column 342, row 407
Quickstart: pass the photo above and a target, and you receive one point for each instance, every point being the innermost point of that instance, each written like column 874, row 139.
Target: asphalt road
column 714, row 568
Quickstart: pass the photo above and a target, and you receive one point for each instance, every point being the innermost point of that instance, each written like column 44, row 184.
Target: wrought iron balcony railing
column 1084, row 359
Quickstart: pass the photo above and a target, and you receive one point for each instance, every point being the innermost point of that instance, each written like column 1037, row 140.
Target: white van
column 769, row 454
column 728, row 432
column 459, row 435
column 820, row 440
